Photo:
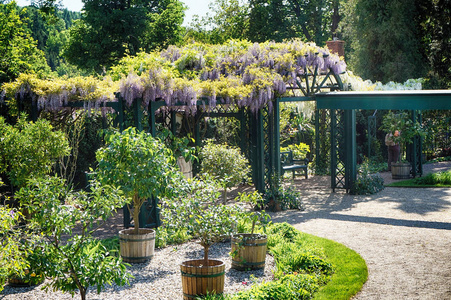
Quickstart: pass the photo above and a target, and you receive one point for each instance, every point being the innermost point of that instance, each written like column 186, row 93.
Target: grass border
column 351, row 271
column 409, row 183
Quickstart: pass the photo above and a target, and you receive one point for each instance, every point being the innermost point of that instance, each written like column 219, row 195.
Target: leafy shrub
column 440, row 178
column 285, row 230
column 300, row 150
column 286, row 197
column 29, row 150
column 225, row 164
column 274, row 239
column 290, row 287
column 366, row 183
column 12, row 257
column 292, row 258
column 171, row 236
column 373, row 165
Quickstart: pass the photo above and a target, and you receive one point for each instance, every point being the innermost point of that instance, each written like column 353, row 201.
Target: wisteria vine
column 237, row 72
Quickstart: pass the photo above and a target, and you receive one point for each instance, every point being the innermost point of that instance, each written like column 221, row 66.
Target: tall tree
column 19, row 52
column 435, row 23
column 229, row 21
column 281, row 19
column 385, row 41
column 109, row 30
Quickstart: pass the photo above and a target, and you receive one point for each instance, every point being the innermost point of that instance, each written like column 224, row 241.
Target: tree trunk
column 206, row 254
column 136, row 210
column 83, row 294
column 335, row 18
column 224, row 196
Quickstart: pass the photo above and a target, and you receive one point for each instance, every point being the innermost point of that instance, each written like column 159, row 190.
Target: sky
column 195, row 7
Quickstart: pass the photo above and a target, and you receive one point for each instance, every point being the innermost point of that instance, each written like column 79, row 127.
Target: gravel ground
column 159, row 279
column 404, row 235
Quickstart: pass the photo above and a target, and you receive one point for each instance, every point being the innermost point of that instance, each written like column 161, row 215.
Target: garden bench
column 289, row 164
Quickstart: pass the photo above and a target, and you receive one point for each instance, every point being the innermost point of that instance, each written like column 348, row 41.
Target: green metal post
column 276, row 134
column 260, row 154
column 197, row 140
column 420, row 147
column 350, row 148
column 153, row 106
column 34, row 111
column 119, row 107
column 339, row 82
column 306, row 70
column 243, row 132
column 317, row 145
column 333, row 149
column 137, row 114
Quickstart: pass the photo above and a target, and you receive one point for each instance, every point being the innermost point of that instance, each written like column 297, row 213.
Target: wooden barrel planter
column 248, row 251
column 137, row 248
column 199, row 279
column 27, row 280
column 400, row 170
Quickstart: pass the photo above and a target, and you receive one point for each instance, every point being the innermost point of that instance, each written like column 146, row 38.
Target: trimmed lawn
column 350, row 274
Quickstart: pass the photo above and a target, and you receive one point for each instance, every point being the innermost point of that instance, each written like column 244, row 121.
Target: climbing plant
column 236, row 72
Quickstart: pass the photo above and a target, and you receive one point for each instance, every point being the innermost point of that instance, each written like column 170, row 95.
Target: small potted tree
column 249, row 249
column 225, row 164
column 210, row 222
column 142, row 167
column 401, row 130
column 63, row 222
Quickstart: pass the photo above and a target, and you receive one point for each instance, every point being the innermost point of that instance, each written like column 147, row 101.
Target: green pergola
column 342, row 106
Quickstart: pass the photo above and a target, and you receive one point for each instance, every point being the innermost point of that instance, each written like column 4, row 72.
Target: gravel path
column 404, row 235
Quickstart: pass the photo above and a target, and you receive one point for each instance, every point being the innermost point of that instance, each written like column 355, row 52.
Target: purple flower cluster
column 280, row 65
column 264, row 69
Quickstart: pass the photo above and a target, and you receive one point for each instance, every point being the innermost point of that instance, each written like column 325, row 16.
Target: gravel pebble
column 159, row 278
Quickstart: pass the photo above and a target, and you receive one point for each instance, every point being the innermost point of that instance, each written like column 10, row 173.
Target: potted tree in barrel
column 209, row 221
column 142, row 167
column 249, row 249
column 401, row 131
column 225, row 163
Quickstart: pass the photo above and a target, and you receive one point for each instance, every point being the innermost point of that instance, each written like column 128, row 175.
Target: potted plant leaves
column 401, row 130
column 142, row 167
column 249, row 249
column 210, row 222
column 183, row 152
column 225, row 164
column 33, row 274
column 63, row 248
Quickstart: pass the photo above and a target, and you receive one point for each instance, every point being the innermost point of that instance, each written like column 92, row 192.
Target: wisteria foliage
column 237, row 72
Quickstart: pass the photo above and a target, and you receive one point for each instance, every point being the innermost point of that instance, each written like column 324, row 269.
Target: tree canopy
column 18, row 49
column 435, row 21
column 385, row 42
column 267, row 20
column 110, row 30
